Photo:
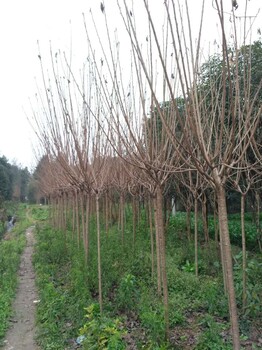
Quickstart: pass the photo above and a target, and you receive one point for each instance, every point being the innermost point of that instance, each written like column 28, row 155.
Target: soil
column 22, row 331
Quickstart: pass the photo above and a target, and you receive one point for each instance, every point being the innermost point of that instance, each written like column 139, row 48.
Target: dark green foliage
column 13, row 181
column 6, row 179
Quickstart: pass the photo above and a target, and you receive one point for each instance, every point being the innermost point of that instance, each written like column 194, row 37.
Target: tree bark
column 99, row 255
column 151, row 237
column 161, row 234
column 188, row 223
column 244, row 258
column 87, row 227
column 196, row 237
column 158, row 262
column 204, row 217
column 77, row 220
column 226, row 247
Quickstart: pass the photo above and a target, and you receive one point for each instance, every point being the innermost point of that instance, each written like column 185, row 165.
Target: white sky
column 23, row 23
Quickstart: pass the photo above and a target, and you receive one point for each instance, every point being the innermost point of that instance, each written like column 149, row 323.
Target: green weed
column 10, row 252
column 100, row 332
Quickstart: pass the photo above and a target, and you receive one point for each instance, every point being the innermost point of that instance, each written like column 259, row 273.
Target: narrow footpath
column 21, row 334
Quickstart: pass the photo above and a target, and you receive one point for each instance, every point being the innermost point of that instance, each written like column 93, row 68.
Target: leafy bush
column 253, row 284
column 100, row 332
column 128, row 293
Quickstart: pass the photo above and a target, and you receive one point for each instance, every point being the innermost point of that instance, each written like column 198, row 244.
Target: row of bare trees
column 102, row 135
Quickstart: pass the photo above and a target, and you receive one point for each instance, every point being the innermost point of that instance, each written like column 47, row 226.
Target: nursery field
column 68, row 312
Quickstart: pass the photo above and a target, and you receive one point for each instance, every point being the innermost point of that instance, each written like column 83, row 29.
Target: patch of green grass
column 39, row 212
column 62, row 288
column 10, row 252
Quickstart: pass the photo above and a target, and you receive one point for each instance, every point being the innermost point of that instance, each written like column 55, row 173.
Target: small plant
column 188, row 267
column 153, row 321
column 253, row 286
column 128, row 293
column 100, row 332
column 211, row 338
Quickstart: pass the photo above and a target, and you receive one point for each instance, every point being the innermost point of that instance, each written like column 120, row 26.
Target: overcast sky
column 22, row 24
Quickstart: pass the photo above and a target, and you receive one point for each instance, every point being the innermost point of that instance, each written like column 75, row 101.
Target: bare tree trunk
column 66, row 211
column 106, row 213
column 188, row 223
column 134, row 219
column 122, row 216
column 99, row 255
column 151, row 238
column 82, row 206
column 258, row 221
column 73, row 202
column 86, row 240
column 244, row 258
column 77, row 219
column 196, row 236
column 226, row 248
column 158, row 262
column 161, row 234
column 204, row 217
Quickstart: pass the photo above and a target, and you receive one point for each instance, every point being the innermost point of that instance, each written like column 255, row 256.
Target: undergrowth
column 132, row 310
column 11, row 248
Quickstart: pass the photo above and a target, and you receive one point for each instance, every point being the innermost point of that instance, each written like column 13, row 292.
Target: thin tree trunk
column 77, row 219
column 188, row 223
column 106, row 213
column 205, row 218
column 244, row 261
column 151, row 238
column 161, row 234
column 226, row 246
column 159, row 277
column 122, row 217
column 99, row 255
column 66, row 211
column 196, row 237
column 258, row 221
column 134, row 219
column 74, row 216
column 87, row 227
column 82, row 204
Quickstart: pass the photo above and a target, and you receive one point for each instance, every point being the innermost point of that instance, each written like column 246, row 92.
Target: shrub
column 100, row 332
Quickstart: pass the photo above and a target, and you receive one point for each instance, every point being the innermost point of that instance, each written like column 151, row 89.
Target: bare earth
column 21, row 334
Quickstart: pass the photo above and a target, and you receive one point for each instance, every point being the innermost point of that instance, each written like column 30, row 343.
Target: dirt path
column 21, row 334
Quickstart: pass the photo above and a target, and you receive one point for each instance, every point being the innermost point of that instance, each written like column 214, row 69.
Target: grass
column 11, row 248
column 133, row 312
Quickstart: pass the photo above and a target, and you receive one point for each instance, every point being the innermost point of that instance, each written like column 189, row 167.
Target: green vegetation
column 133, row 312
column 10, row 251
column 13, row 181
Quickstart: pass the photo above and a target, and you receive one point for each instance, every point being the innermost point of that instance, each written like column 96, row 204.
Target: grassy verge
column 11, row 248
